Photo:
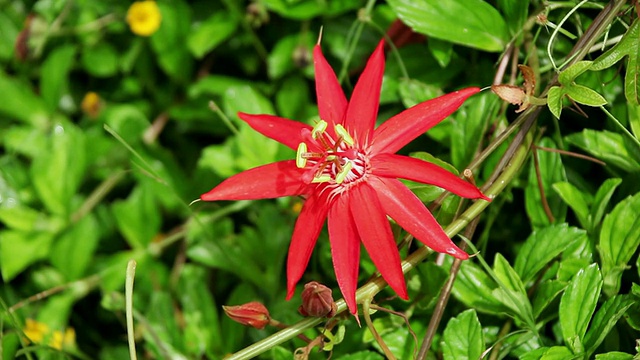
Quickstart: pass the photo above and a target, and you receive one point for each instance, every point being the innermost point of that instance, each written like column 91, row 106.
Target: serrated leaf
column 568, row 75
column 607, row 146
column 584, row 95
column 462, row 338
column 601, row 200
column 614, row 355
column 605, row 319
column 545, row 295
column 554, row 100
column 413, row 92
column 619, row 240
column 577, row 306
column 473, row 23
column 511, row 291
column 542, row 246
column 473, row 287
column 557, row 353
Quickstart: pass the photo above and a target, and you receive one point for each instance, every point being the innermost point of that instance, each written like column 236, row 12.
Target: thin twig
column 543, row 197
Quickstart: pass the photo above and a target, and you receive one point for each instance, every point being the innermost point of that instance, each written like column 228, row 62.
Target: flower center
column 330, row 160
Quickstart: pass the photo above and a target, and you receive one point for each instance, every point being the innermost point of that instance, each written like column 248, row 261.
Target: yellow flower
column 39, row 333
column 91, row 104
column 144, row 17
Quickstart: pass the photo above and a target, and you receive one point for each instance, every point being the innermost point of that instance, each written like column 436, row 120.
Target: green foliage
column 107, row 137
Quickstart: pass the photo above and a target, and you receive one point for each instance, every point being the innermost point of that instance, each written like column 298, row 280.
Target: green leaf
column 619, row 240
column 605, row 319
column 515, row 14
column 441, row 51
column 164, row 337
column 511, row 291
column 293, row 98
column 207, row 35
column 462, row 338
column 628, row 45
column 54, row 80
column 202, row 333
column 551, row 171
column 473, row 287
column 583, row 95
column 602, row 198
column 24, row 105
column 557, row 353
column 281, row 59
column 20, row 249
column 170, row 41
column 568, row 75
column 8, row 38
column 413, row 92
column 554, row 100
column 307, row 9
column 100, row 60
column 545, row 295
column 577, row 306
column 634, row 119
column 542, row 246
column 362, row 355
column 614, row 355
column 473, row 23
column 137, row 217
column 470, row 121
column 607, row 146
column 58, row 172
column 73, row 250
column 577, row 200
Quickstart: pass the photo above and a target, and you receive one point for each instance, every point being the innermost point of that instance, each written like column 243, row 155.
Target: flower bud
column 317, row 301
column 252, row 314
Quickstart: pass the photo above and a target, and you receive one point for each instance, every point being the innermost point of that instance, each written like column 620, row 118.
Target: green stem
column 130, row 276
column 354, row 40
column 624, row 129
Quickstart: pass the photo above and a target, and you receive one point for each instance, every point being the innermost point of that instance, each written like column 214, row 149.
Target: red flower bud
column 252, row 314
column 317, row 301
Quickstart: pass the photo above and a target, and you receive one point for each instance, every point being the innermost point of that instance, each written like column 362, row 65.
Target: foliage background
column 84, row 189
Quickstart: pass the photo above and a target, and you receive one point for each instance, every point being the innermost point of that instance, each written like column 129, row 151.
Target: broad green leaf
column 394, row 333
column 462, row 338
column 281, row 59
column 601, row 200
column 615, row 355
column 577, row 306
column 307, row 9
column 362, row 355
column 605, row 319
column 100, row 60
column 217, row 85
column 545, row 294
column 128, row 121
column 137, row 217
column 584, row 95
column 607, row 146
column 165, row 336
column 25, row 105
column 292, row 99
column 8, row 37
column 170, row 41
column 511, row 291
column 554, row 100
column 634, row 119
column 551, row 171
column 202, row 333
column 280, row 353
column 432, row 279
column 54, row 82
column 557, row 353
column 58, row 172
column 619, row 240
column 515, row 14
column 473, row 23
column 568, row 75
column 473, row 287
column 73, row 251
column 441, row 51
column 577, row 200
column 207, row 35
column 628, row 45
column 20, row 249
column 542, row 246
column 470, row 121
column 24, row 218
column 413, row 92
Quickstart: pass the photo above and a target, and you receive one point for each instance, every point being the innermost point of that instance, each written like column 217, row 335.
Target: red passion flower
column 348, row 172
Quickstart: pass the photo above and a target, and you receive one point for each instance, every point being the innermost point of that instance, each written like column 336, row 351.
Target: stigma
column 331, row 158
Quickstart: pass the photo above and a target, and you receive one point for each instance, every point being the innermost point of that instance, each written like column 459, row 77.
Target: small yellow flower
column 35, row 331
column 60, row 340
column 91, row 104
column 39, row 333
column 144, row 17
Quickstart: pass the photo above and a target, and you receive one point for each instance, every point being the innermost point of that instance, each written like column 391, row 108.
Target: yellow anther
column 321, row 178
column 344, row 135
column 346, row 168
column 320, row 127
column 301, row 162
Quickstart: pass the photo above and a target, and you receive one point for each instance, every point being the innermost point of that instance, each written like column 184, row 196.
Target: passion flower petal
column 332, row 104
column 284, row 131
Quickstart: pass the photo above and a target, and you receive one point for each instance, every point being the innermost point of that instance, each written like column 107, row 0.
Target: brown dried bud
column 252, row 314
column 317, row 301
column 509, row 93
